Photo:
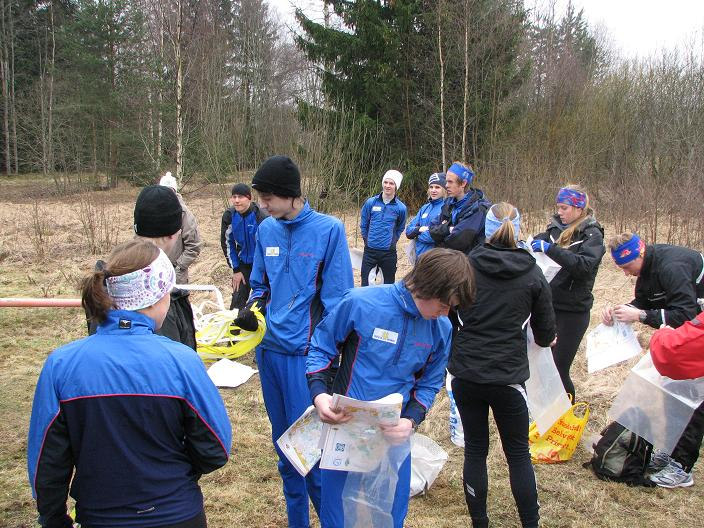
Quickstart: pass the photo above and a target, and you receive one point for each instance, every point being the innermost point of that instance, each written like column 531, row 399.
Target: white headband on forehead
column 144, row 287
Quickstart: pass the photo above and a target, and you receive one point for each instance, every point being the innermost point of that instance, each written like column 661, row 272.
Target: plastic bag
column 547, row 399
column 456, row 429
column 427, row 460
column 560, row 442
column 548, row 266
column 410, row 250
column 368, row 498
column 608, row 345
column 656, row 407
column 218, row 337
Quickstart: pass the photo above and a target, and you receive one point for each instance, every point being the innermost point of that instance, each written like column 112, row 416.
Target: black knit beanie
column 278, row 175
column 242, row 189
column 157, row 212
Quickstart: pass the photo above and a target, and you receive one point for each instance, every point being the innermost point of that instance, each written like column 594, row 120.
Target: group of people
column 104, row 407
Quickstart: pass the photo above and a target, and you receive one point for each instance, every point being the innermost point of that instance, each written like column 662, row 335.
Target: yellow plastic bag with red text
column 560, row 442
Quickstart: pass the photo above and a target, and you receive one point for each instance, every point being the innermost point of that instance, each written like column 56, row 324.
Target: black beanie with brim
column 278, row 175
column 157, row 212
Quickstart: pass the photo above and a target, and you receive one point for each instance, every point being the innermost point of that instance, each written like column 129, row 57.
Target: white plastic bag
column 608, row 345
column 456, row 429
column 656, row 407
column 427, row 460
column 410, row 250
column 226, row 373
column 547, row 399
column 356, row 258
column 548, row 266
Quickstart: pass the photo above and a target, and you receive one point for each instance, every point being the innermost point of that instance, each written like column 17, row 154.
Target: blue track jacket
column 240, row 236
column 135, row 419
column 427, row 213
column 386, row 347
column 466, row 217
column 301, row 269
column 382, row 224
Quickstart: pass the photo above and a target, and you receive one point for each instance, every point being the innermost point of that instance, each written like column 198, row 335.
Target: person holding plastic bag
column 669, row 290
column 301, row 270
column 490, row 362
column 418, row 227
column 129, row 419
column 390, row 339
column 575, row 240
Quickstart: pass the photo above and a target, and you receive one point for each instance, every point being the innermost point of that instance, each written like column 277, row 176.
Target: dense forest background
column 98, row 91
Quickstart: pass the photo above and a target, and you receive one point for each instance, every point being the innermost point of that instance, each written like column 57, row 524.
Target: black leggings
column 571, row 327
column 510, row 411
column 241, row 296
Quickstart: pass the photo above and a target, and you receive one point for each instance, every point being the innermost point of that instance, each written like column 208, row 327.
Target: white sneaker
column 673, row 476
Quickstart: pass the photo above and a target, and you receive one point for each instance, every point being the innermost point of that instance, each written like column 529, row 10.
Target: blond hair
column 504, row 235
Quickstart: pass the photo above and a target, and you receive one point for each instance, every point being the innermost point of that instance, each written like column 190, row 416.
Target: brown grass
column 247, row 492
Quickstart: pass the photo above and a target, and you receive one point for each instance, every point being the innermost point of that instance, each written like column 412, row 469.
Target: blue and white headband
column 463, row 173
column 144, row 287
column 492, row 224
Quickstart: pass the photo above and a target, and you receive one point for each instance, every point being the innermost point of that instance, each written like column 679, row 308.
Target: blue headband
column 492, row 224
column 463, row 173
column 572, row 197
column 628, row 251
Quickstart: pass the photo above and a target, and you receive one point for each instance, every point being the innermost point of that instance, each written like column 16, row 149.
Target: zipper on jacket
column 571, row 284
column 401, row 340
column 288, row 252
column 293, row 299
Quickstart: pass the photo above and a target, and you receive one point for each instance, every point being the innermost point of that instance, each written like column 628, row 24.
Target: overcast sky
column 636, row 27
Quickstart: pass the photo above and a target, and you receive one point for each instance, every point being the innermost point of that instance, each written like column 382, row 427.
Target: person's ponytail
column 94, row 297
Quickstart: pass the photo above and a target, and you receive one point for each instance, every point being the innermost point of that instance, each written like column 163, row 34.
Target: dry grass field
column 47, row 243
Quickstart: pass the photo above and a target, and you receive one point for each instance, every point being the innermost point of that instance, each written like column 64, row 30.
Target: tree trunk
column 4, row 64
column 179, row 94
column 13, row 105
column 50, row 116
column 442, row 89
column 465, row 98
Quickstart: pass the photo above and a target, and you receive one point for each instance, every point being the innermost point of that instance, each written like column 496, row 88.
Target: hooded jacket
column 301, row 269
column 466, row 217
column 239, row 237
column 679, row 353
column 670, row 282
column 381, row 223
column 491, row 345
column 187, row 246
column 426, row 214
column 573, row 284
column 137, row 417
column 385, row 346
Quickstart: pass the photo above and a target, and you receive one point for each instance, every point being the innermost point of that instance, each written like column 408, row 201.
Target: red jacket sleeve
column 679, row 353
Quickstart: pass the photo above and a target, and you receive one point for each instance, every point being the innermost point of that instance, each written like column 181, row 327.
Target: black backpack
column 621, row 456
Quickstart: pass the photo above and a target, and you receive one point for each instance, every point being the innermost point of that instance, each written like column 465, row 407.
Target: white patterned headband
column 144, row 287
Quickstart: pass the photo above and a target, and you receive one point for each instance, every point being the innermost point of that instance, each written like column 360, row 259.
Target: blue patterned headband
column 571, row 197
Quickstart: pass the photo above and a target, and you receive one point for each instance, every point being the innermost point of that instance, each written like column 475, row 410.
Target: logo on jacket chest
column 272, row 251
column 387, row 336
column 376, row 208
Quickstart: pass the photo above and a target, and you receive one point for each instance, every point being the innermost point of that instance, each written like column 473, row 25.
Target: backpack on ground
column 621, row 456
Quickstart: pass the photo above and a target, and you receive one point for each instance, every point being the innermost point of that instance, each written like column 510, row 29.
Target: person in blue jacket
column 391, row 339
column 381, row 221
column 301, row 270
column 460, row 225
column 128, row 419
column 238, row 233
column 418, row 227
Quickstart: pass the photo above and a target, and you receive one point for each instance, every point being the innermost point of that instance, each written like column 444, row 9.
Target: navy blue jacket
column 386, row 347
column 241, row 235
column 301, row 269
column 466, row 217
column 426, row 214
column 136, row 420
column 382, row 224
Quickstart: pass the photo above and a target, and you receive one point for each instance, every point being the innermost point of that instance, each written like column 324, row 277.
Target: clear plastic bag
column 368, row 498
column 456, row 428
column 427, row 460
column 547, row 399
column 608, row 345
column 656, row 407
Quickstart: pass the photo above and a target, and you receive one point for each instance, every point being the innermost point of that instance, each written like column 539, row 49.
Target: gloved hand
column 540, row 245
column 246, row 320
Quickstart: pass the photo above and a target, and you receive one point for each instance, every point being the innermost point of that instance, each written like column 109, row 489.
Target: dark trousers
column 199, row 521
column 571, row 327
column 385, row 259
column 510, row 411
column 241, row 296
column 686, row 451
